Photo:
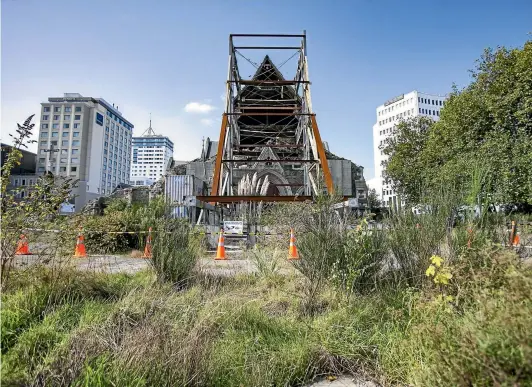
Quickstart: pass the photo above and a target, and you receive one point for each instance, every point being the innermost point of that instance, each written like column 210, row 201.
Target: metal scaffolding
column 269, row 112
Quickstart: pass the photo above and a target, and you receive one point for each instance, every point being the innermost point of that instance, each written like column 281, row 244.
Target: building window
column 64, row 143
column 66, row 117
column 68, row 109
column 55, row 126
column 41, row 160
column 45, row 117
column 73, row 169
column 43, row 143
column 419, row 110
column 75, row 134
column 57, row 110
column 75, row 151
column 65, row 134
column 64, row 151
column 78, row 108
column 75, row 143
column 76, row 126
column 74, row 160
column 437, row 113
column 66, row 126
column 77, row 117
column 56, row 117
column 46, row 109
column 55, row 134
column 62, row 169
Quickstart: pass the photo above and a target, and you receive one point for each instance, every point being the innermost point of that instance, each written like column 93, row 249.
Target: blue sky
column 158, row 56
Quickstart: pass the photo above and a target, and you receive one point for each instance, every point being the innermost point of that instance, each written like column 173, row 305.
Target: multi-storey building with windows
column 389, row 114
column 87, row 139
column 149, row 157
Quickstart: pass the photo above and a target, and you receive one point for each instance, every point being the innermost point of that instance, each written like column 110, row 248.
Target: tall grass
column 176, row 250
column 137, row 331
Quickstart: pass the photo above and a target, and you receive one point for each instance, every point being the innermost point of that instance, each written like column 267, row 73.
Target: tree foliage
column 487, row 124
column 38, row 208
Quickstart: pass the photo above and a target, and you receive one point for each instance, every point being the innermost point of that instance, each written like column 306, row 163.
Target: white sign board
column 67, row 208
column 233, row 227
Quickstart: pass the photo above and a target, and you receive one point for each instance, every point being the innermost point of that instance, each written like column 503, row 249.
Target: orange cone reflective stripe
column 220, row 251
column 292, row 250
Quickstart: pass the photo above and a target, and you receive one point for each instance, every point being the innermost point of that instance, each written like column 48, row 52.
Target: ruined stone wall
column 140, row 195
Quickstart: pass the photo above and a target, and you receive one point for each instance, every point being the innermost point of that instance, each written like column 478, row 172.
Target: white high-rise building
column 389, row 114
column 87, row 139
column 149, row 157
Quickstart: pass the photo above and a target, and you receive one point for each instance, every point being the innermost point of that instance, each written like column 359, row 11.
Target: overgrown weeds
column 176, row 250
column 134, row 330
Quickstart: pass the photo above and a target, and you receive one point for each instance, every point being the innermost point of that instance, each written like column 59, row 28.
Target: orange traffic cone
column 147, row 248
column 516, row 240
column 80, row 247
column 220, row 252
column 292, row 250
column 23, row 247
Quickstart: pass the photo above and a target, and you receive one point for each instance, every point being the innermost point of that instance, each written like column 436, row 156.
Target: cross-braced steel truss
column 269, row 119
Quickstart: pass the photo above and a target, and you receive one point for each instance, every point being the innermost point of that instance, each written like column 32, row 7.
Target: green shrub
column 102, row 234
column 365, row 254
column 176, row 250
column 266, row 260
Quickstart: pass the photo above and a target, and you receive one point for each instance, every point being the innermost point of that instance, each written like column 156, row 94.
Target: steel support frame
column 307, row 133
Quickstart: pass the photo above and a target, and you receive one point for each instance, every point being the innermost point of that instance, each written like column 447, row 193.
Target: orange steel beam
column 322, row 156
column 245, row 198
column 218, row 165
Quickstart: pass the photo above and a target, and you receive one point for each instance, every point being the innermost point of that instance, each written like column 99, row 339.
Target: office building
column 87, row 139
column 389, row 114
column 150, row 155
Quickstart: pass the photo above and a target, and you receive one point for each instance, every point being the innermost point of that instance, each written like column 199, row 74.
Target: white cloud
column 198, row 107
column 207, row 121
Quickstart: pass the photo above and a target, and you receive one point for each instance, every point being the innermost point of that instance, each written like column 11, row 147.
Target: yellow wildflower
column 437, row 260
column 431, row 270
column 442, row 278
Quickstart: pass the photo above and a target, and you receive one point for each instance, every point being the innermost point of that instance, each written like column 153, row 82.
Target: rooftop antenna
column 149, row 131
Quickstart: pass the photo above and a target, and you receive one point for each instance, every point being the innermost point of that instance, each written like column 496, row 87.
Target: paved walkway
column 125, row 264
